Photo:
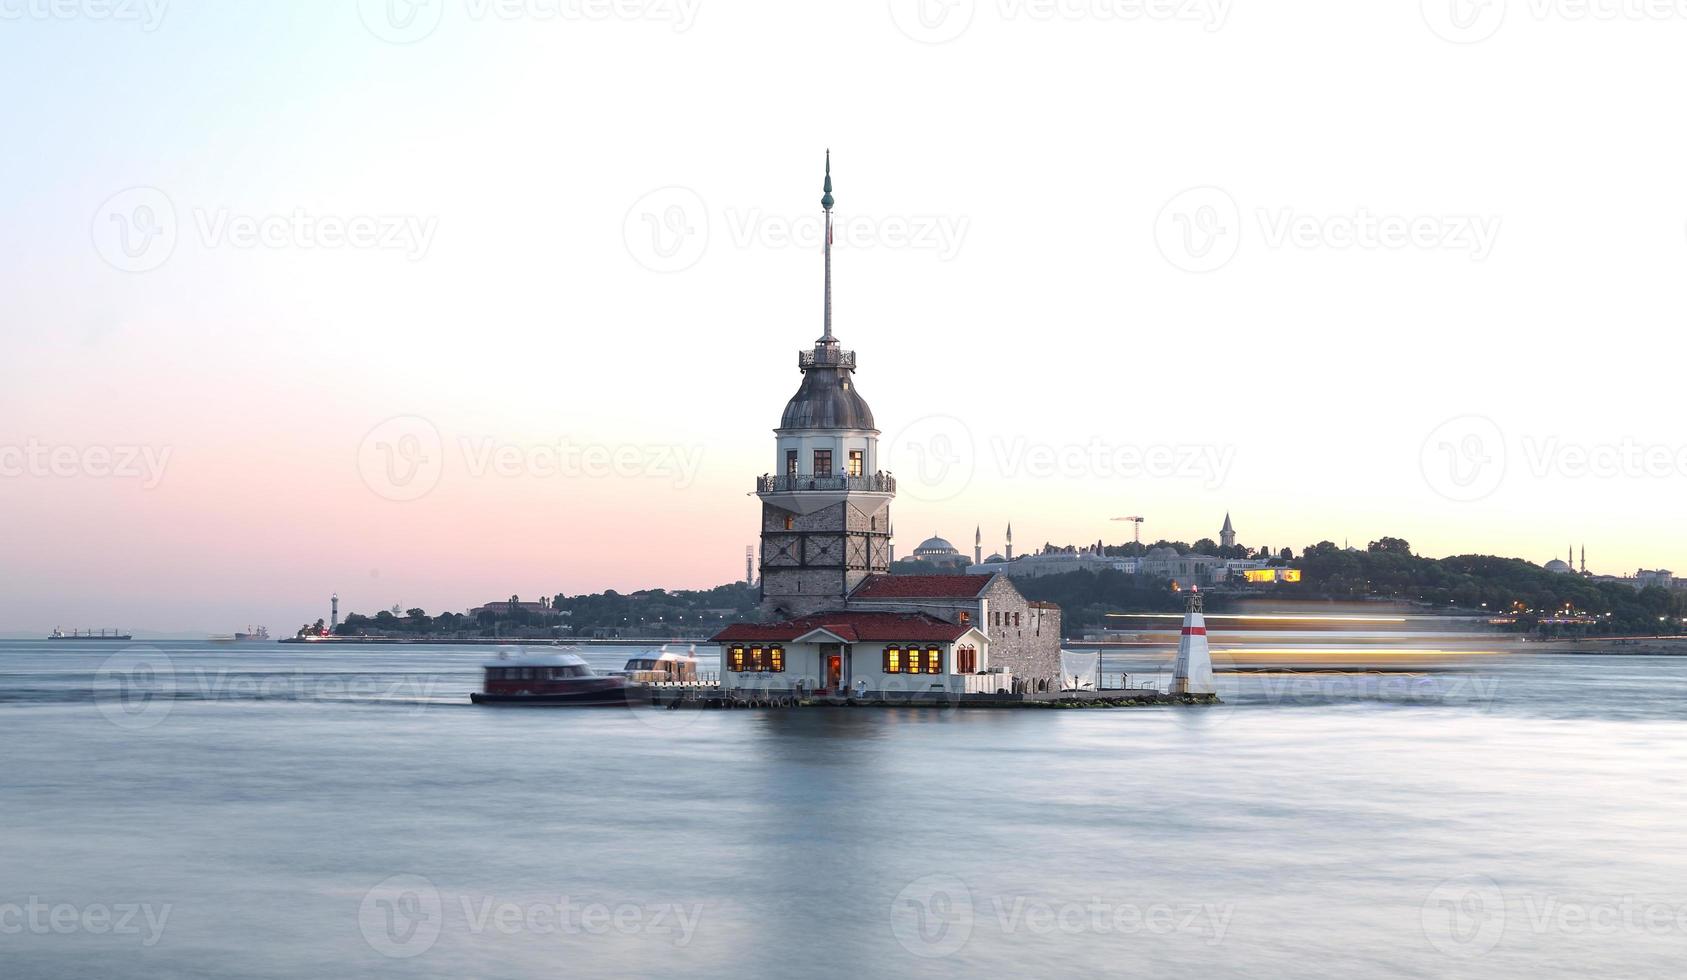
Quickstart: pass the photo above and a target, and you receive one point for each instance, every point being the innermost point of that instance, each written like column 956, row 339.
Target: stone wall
column 1024, row 636
column 807, row 569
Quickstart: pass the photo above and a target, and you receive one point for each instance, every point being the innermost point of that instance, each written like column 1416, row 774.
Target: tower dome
column 827, row 398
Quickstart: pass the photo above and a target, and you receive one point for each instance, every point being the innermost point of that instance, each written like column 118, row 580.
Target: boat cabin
column 664, row 667
column 535, row 673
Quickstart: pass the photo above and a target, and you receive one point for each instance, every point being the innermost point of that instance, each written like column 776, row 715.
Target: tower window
column 856, row 460
column 822, row 462
column 791, row 463
column 790, row 522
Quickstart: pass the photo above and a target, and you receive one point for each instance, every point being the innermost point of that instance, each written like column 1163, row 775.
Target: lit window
column 934, row 660
column 893, row 660
column 790, row 522
column 966, row 619
column 822, row 462
column 856, row 460
column 756, row 660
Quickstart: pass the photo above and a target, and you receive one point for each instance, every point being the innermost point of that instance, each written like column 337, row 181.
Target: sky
column 434, row 302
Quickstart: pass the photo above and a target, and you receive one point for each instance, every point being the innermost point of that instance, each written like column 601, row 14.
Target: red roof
column 851, row 627
column 922, row 587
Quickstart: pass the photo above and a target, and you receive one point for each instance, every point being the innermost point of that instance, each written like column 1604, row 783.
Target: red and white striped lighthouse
column 1193, row 671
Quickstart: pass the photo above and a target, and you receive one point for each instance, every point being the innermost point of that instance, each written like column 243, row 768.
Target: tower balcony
column 875, row 483
column 826, row 355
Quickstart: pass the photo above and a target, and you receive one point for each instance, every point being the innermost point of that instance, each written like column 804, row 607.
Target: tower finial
column 826, row 203
column 826, row 198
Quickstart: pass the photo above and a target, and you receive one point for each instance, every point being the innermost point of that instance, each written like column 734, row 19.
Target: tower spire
column 826, row 204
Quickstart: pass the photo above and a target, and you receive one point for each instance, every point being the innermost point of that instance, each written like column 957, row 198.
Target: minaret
column 1584, row 559
column 826, row 506
column 978, row 546
column 1192, row 673
column 1227, row 535
column 1009, row 555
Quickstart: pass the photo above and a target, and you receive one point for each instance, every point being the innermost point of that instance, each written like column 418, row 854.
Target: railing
column 876, row 483
column 986, row 683
column 826, row 357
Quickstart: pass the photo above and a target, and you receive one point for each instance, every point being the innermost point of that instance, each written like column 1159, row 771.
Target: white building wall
column 840, row 441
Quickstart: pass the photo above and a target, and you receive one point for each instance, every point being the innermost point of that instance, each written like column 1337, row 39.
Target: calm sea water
column 188, row 810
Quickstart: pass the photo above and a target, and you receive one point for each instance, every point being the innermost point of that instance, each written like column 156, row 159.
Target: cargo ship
column 259, row 635
column 59, row 634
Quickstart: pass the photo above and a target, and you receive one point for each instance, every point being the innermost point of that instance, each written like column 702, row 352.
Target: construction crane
column 1136, row 528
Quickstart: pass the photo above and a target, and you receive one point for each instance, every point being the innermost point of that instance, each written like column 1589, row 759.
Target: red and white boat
column 559, row 679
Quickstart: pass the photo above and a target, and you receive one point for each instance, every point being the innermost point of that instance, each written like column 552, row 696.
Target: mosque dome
column 1560, row 566
column 935, row 548
column 1162, row 552
column 994, row 560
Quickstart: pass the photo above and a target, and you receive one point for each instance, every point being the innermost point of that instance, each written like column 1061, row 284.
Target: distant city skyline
column 412, row 334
